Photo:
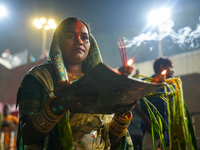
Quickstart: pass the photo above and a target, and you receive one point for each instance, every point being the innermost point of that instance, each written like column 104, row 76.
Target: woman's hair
column 62, row 28
column 166, row 62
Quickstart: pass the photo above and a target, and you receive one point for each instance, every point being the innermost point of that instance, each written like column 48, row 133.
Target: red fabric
column 15, row 113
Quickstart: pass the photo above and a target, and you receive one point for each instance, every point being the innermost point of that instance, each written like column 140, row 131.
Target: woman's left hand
column 127, row 109
column 126, row 70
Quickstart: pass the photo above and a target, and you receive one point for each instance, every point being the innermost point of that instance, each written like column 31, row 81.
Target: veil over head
column 55, row 53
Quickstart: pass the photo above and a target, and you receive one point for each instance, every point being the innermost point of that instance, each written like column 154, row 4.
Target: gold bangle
column 122, row 120
column 45, row 122
column 39, row 126
column 44, row 113
column 115, row 133
column 48, row 111
column 117, row 127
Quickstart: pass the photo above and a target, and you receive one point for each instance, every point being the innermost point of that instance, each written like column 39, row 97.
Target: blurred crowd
column 17, row 59
column 8, row 126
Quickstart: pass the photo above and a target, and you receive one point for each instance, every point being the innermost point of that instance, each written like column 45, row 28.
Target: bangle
column 43, row 127
column 121, row 120
column 48, row 111
column 46, row 123
column 118, row 126
column 115, row 133
column 45, row 120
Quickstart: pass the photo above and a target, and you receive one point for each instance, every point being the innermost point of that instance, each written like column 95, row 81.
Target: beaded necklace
column 74, row 77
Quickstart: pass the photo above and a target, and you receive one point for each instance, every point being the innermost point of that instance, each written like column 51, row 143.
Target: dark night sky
column 109, row 20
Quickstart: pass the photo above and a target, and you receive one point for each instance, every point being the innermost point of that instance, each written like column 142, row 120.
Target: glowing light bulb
column 47, row 27
column 51, row 21
column 39, row 26
column 53, row 26
column 43, row 20
column 36, row 22
column 3, row 11
column 159, row 16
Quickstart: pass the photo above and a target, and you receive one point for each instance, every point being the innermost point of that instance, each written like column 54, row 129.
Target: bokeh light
column 3, row 11
column 46, row 24
column 43, row 20
column 157, row 17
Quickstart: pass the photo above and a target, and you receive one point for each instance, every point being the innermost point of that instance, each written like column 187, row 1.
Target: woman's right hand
column 126, row 70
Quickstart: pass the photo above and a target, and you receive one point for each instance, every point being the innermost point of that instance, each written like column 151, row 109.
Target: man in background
column 9, row 124
column 159, row 65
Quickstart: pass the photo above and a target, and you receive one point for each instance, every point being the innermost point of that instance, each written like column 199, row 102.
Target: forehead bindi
column 82, row 27
column 78, row 27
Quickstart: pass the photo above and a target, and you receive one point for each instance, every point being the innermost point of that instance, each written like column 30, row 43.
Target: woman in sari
column 45, row 123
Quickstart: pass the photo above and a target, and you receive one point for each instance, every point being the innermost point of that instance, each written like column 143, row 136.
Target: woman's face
column 75, row 44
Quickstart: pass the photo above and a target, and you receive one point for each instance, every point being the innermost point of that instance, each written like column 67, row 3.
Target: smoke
column 185, row 37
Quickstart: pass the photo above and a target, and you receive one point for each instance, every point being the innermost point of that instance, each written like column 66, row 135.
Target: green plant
column 180, row 128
